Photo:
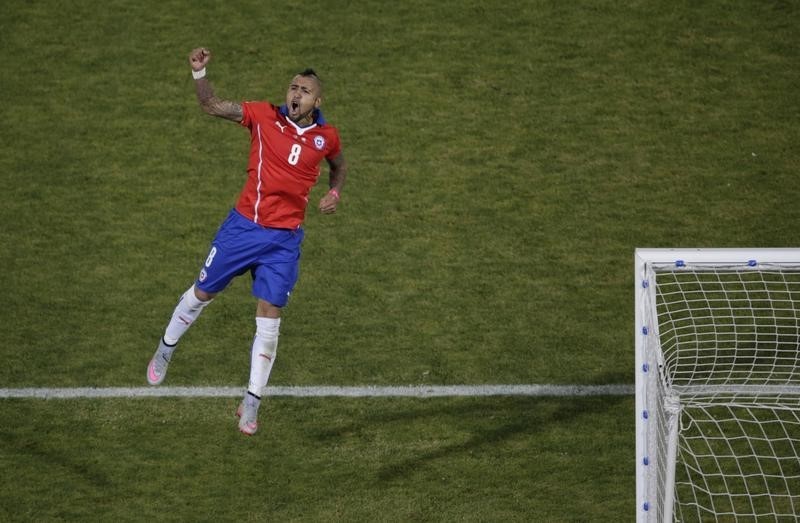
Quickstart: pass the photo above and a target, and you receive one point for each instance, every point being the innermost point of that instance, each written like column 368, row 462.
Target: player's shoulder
column 328, row 127
column 324, row 126
column 258, row 107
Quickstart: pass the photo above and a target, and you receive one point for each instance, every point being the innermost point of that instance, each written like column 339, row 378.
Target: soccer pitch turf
column 506, row 158
column 316, row 459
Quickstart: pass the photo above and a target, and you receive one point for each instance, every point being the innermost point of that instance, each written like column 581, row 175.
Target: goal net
column 717, row 384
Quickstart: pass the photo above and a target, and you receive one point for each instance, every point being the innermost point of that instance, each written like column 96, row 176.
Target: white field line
column 415, row 391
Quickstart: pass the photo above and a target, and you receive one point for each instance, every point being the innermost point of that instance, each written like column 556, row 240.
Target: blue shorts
column 271, row 255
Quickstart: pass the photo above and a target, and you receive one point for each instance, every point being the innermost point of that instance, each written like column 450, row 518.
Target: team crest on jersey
column 319, row 142
column 203, row 275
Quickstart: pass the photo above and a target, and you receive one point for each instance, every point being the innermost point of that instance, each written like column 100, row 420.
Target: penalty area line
column 414, row 391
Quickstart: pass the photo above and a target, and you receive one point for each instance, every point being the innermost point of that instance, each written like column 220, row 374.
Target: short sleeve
column 255, row 111
column 335, row 147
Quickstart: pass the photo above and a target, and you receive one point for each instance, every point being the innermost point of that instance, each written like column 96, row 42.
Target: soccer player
column 263, row 232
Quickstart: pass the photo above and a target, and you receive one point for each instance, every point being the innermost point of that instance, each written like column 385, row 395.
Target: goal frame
column 644, row 300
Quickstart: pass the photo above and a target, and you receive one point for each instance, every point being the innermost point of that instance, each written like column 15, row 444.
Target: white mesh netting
column 727, row 350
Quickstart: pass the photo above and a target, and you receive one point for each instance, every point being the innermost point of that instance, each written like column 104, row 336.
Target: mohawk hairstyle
column 310, row 73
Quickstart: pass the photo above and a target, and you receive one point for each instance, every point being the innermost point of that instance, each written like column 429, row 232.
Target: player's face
column 302, row 98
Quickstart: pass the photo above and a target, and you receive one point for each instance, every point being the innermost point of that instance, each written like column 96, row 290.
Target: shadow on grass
column 51, row 460
column 489, row 423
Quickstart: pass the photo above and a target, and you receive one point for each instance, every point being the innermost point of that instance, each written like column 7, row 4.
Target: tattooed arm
column 205, row 93
column 338, row 174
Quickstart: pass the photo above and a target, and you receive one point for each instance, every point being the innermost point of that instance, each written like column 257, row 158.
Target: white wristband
column 199, row 74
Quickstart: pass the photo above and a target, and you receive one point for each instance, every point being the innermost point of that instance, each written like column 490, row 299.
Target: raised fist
column 199, row 57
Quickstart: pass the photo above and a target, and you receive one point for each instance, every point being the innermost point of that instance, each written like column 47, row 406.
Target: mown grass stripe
column 420, row 391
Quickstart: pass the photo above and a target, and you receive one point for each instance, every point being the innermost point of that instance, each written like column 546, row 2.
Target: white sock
column 187, row 310
column 252, row 401
column 262, row 355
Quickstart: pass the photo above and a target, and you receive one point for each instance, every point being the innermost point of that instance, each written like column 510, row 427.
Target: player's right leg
column 230, row 256
column 189, row 307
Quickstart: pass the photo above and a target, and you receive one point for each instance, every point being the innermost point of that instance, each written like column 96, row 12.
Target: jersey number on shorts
column 294, row 154
column 211, row 255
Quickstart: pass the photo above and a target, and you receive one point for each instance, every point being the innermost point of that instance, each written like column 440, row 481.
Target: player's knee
column 265, row 309
column 203, row 296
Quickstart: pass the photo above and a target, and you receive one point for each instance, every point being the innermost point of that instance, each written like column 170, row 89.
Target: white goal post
column 717, row 384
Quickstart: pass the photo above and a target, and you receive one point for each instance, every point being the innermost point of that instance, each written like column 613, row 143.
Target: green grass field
column 505, row 160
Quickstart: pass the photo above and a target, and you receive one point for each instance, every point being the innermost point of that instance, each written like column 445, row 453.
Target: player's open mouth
column 295, row 106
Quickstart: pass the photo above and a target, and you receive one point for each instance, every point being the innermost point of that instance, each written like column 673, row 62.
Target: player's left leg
column 273, row 280
column 262, row 358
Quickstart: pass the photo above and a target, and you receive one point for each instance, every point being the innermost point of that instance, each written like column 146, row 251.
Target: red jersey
column 283, row 166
